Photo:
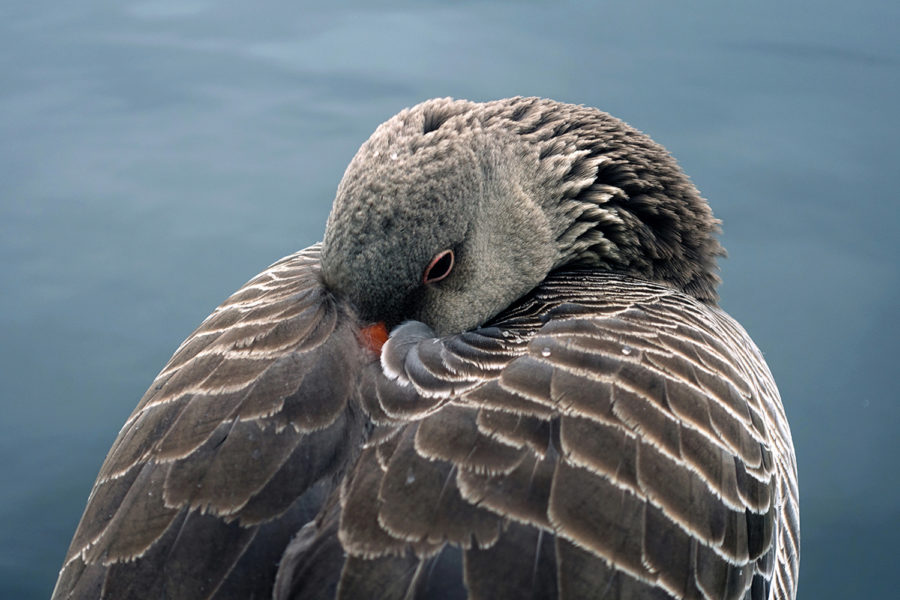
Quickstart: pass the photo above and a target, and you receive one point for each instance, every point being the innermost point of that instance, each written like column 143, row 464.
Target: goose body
column 563, row 413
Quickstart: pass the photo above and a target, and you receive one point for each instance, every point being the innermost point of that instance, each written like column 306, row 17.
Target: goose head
column 452, row 210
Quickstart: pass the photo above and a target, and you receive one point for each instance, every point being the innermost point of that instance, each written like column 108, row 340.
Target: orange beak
column 374, row 336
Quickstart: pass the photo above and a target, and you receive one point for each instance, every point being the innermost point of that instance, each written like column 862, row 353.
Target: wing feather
column 232, row 449
column 605, row 437
column 642, row 435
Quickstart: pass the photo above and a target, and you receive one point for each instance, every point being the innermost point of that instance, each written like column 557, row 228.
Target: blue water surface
column 154, row 155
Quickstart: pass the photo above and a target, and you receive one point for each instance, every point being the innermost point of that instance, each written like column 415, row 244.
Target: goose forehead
column 395, row 215
column 401, row 203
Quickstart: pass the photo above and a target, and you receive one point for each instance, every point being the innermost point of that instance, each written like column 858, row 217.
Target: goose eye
column 439, row 267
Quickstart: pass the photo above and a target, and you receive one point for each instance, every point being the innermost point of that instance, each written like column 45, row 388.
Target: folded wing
column 230, row 452
column 605, row 434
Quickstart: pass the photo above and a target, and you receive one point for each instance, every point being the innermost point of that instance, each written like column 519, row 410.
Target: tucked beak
column 374, row 336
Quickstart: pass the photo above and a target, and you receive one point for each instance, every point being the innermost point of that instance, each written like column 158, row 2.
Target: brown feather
column 607, row 435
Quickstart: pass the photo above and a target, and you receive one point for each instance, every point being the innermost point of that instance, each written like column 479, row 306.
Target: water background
column 156, row 155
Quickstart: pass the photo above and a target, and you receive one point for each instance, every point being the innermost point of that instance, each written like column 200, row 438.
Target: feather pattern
column 230, row 452
column 567, row 415
column 623, row 419
column 604, row 433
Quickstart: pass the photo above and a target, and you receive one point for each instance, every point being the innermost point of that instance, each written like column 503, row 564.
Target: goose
column 503, row 373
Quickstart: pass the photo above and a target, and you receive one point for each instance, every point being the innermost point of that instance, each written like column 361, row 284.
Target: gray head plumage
column 516, row 188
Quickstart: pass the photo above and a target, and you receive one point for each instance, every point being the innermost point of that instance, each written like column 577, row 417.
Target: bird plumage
column 610, row 434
